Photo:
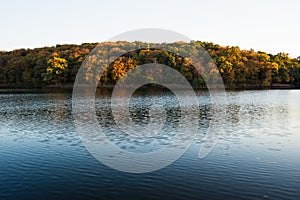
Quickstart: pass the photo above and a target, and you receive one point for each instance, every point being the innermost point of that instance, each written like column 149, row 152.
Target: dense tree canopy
column 57, row 66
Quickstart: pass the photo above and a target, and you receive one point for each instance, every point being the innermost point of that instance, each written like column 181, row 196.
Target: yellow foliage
column 121, row 66
column 57, row 64
column 56, row 67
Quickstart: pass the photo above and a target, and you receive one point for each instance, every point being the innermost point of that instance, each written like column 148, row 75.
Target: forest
column 57, row 66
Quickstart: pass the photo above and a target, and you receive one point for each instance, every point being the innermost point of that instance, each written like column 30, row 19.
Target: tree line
column 57, row 66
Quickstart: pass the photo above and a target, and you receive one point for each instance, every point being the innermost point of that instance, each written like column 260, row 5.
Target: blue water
column 257, row 157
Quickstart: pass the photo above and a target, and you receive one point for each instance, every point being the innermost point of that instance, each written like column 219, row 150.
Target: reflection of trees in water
column 144, row 109
column 27, row 107
column 60, row 109
column 139, row 108
column 232, row 116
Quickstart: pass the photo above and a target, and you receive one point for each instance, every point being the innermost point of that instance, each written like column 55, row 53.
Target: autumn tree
column 56, row 71
column 59, row 64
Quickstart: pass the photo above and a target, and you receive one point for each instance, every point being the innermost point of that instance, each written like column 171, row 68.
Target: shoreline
column 111, row 87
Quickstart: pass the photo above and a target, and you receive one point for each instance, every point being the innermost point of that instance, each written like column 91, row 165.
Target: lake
column 257, row 156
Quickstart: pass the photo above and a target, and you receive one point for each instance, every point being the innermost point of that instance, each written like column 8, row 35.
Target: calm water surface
column 257, row 157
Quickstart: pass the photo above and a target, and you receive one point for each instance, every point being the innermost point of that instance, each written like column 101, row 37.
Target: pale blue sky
column 271, row 26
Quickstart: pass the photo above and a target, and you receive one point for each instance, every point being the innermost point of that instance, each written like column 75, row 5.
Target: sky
column 265, row 25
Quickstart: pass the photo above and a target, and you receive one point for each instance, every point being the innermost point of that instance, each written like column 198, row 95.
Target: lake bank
column 69, row 87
